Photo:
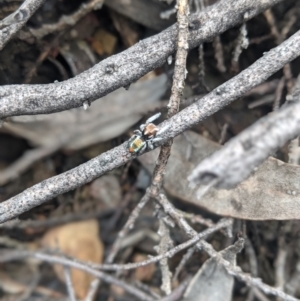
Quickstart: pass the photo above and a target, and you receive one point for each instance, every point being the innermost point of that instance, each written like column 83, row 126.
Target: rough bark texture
column 14, row 22
column 122, row 69
column 66, row 21
column 270, row 193
column 237, row 159
column 257, row 73
column 177, row 91
column 181, row 55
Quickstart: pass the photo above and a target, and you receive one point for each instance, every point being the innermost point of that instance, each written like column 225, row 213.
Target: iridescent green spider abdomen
column 136, row 144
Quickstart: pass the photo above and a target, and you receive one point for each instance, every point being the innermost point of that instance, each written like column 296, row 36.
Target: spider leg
column 142, row 127
column 152, row 141
column 138, row 133
column 132, row 139
column 163, row 130
column 143, row 148
column 152, row 118
column 156, row 139
column 150, row 144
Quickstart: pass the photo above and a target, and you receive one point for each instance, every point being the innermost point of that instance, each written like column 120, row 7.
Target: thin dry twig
column 165, row 244
column 92, row 290
column 278, row 94
column 223, row 133
column 15, row 21
column 183, row 262
column 279, row 37
column 242, row 154
column 173, row 107
column 15, row 255
column 127, row 227
column 69, row 283
column 197, row 218
column 180, row 60
column 198, row 111
column 242, row 43
column 66, row 21
column 272, row 23
column 56, row 220
column 122, row 69
column 178, row 291
column 223, row 223
column 294, row 146
column 219, row 54
column 252, row 264
column 176, row 93
column 203, row 245
column 147, row 289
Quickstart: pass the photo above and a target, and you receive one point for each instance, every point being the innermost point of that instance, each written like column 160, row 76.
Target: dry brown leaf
column 272, row 192
column 104, row 42
column 79, row 240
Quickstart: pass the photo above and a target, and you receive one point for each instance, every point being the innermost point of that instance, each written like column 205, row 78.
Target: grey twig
column 92, row 290
column 147, row 289
column 127, row 227
column 294, row 145
column 122, row 69
column 69, row 283
column 183, row 262
column 177, row 90
column 165, row 244
column 165, row 151
column 203, row 245
column 278, row 94
column 238, row 158
column 67, row 20
column 181, row 55
column 15, row 255
column 242, row 43
column 15, row 21
column 223, row 223
column 56, row 220
column 219, row 54
column 178, row 292
column 279, row 37
column 173, row 106
column 195, row 113
column 280, row 265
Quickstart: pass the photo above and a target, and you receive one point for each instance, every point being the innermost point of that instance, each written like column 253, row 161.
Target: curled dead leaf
column 272, row 192
column 81, row 241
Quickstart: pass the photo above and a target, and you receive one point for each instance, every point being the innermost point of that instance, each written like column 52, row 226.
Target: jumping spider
column 146, row 136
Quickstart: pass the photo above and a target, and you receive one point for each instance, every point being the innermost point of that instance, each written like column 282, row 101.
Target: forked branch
column 231, row 90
